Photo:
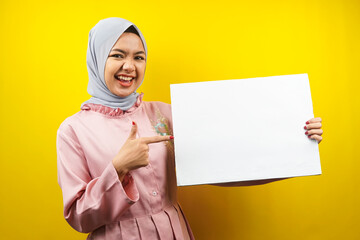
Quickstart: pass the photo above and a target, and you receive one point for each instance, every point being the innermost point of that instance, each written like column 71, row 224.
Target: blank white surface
column 237, row 130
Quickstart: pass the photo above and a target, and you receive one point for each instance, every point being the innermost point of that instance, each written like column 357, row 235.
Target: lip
column 125, row 75
column 124, row 83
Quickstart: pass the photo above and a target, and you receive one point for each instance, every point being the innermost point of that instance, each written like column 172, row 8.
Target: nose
column 128, row 66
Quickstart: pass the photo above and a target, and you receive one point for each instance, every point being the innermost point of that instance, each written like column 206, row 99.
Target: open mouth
column 125, row 81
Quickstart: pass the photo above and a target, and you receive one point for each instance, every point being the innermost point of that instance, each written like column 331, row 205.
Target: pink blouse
column 144, row 205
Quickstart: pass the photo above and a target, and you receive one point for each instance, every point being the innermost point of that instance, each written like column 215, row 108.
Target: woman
column 115, row 157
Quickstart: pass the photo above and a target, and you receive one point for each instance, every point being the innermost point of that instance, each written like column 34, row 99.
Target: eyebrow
column 124, row 52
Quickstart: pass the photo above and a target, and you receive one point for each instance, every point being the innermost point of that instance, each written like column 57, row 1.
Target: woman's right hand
column 135, row 152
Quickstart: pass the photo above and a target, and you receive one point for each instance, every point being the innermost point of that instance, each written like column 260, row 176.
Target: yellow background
column 43, row 80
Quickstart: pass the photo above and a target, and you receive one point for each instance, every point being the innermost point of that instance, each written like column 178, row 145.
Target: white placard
column 248, row 129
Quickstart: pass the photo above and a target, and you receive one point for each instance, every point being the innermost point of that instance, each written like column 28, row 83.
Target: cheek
column 141, row 69
column 109, row 70
column 107, row 78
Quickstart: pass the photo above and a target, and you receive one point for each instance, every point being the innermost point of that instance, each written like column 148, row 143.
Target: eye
column 117, row 56
column 139, row 58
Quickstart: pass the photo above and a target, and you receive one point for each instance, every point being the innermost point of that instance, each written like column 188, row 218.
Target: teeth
column 124, row 78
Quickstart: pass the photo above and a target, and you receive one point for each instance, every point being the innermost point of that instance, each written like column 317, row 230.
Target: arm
column 89, row 202
column 93, row 202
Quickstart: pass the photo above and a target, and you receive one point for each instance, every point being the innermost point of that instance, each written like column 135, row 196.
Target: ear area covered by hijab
column 102, row 38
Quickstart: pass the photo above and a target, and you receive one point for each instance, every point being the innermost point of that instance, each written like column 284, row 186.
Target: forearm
column 100, row 201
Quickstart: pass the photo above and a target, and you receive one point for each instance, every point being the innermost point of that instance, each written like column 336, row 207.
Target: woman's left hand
column 313, row 129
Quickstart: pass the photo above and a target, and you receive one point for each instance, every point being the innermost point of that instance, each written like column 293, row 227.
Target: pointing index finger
column 156, row 139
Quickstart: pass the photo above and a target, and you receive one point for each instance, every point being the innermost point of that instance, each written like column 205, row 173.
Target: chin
column 123, row 94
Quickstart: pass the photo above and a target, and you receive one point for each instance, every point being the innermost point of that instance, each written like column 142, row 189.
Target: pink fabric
column 144, row 205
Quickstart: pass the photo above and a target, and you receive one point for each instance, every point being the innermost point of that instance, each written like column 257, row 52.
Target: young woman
column 115, row 157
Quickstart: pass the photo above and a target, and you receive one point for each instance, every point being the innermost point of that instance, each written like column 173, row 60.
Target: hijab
column 102, row 38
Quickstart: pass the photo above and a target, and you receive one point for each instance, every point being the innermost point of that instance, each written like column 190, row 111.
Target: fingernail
column 306, row 132
column 309, row 136
column 171, row 137
column 133, row 123
column 305, row 127
column 307, row 122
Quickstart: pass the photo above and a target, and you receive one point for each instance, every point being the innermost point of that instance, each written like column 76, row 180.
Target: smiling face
column 125, row 65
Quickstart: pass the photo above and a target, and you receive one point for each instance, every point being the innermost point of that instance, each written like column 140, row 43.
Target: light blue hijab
column 102, row 38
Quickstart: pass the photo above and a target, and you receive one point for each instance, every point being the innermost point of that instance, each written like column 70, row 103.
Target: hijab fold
column 102, row 38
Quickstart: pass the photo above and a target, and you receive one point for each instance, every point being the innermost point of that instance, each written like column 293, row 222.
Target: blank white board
column 240, row 130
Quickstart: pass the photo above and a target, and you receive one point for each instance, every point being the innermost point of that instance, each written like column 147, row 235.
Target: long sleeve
column 89, row 202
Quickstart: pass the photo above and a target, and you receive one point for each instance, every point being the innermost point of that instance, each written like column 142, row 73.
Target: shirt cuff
column 130, row 188
column 127, row 186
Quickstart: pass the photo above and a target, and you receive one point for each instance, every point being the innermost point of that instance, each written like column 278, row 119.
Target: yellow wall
column 43, row 80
